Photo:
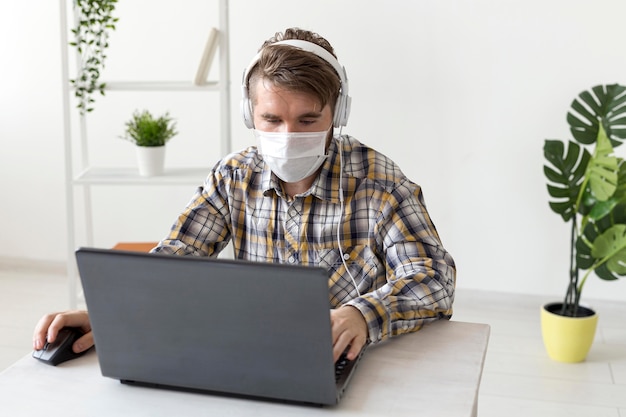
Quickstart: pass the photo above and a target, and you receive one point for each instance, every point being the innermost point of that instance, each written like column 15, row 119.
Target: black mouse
column 61, row 349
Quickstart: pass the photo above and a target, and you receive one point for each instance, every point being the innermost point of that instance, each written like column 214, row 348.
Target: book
column 207, row 57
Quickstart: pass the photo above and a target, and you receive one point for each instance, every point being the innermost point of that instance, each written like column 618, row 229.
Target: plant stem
column 580, row 287
column 572, row 295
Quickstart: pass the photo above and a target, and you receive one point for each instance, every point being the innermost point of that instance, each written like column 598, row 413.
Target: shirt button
column 292, row 259
column 346, row 257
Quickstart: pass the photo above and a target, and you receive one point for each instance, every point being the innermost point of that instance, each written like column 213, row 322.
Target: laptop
column 218, row 326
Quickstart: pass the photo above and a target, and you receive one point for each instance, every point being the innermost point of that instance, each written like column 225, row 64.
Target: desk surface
column 435, row 371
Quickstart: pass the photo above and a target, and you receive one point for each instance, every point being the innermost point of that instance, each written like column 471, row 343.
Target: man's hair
column 296, row 70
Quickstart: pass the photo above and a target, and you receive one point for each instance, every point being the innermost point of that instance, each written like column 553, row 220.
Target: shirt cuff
column 377, row 315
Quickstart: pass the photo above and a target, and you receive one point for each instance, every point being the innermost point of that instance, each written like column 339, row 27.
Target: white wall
column 460, row 93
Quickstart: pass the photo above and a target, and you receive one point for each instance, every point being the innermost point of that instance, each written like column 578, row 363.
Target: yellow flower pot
column 567, row 339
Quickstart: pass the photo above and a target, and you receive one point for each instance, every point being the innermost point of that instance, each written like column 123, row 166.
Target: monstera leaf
column 597, row 175
column 604, row 238
column 620, row 192
column 605, row 103
column 602, row 169
column 608, row 271
column 565, row 176
column 608, row 249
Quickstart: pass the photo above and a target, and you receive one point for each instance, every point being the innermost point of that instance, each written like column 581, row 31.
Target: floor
column 518, row 379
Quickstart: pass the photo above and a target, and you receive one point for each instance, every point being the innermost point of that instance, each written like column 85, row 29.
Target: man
column 305, row 195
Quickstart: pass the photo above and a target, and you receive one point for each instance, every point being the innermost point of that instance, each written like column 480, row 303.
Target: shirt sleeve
column 202, row 229
column 420, row 273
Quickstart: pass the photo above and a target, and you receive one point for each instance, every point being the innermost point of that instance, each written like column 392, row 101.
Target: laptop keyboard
column 341, row 366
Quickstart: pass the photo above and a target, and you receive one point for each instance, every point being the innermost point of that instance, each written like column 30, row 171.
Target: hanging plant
column 94, row 21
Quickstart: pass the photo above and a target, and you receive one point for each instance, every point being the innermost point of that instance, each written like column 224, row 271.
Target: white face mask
column 292, row 156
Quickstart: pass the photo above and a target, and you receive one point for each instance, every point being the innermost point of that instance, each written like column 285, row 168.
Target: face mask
column 292, row 156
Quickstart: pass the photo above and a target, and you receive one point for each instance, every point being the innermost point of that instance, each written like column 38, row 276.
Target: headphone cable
column 341, row 203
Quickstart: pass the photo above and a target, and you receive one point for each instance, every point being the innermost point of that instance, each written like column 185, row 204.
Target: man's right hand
column 49, row 325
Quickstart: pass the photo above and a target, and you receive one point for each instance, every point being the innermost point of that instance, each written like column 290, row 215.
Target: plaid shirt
column 405, row 276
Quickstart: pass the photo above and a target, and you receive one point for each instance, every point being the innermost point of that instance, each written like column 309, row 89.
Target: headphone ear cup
column 246, row 113
column 337, row 115
column 342, row 111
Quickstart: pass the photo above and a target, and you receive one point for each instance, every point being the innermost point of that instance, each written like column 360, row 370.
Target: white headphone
column 342, row 107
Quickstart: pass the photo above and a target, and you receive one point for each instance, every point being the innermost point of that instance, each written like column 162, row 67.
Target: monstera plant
column 587, row 183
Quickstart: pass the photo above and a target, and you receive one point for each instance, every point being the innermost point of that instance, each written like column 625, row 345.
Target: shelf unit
column 88, row 176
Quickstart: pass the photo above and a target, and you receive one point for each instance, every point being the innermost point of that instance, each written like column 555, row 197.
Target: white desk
column 434, row 372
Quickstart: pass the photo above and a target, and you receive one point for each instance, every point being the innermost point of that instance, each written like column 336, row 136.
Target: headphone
column 342, row 107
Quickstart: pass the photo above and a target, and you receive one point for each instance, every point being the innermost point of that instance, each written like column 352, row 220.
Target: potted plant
column 94, row 20
column 587, row 183
column 150, row 134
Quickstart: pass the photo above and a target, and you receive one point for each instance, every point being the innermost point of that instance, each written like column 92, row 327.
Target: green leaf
column 94, row 21
column 565, row 174
column 620, row 191
column 602, row 208
column 605, row 273
column 603, row 102
column 602, row 170
column 558, row 192
column 584, row 258
column 603, row 247
column 611, row 247
column 610, row 242
column 551, row 174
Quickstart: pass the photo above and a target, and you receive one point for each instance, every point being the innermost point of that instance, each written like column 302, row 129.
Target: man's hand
column 349, row 329
column 49, row 325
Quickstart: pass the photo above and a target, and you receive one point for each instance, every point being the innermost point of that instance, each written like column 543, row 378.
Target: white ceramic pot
column 151, row 160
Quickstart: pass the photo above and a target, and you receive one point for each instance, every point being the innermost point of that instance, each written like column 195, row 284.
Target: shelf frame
column 130, row 176
column 88, row 176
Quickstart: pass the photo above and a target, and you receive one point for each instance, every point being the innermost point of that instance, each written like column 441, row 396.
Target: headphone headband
column 342, row 107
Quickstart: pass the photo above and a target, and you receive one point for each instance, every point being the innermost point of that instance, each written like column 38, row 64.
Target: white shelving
column 130, row 176
column 161, row 86
column 85, row 175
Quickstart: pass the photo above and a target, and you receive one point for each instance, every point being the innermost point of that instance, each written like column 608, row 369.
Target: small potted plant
column 587, row 183
column 150, row 135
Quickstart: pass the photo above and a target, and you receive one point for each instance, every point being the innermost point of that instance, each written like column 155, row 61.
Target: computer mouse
column 61, row 349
